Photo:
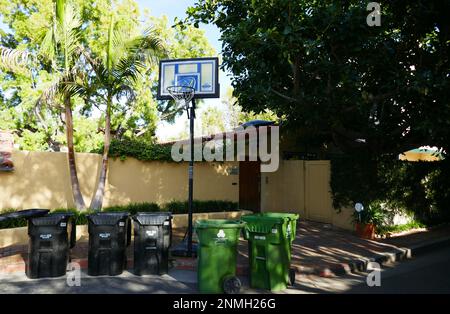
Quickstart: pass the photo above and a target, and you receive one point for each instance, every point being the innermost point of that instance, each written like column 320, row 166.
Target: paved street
column 428, row 273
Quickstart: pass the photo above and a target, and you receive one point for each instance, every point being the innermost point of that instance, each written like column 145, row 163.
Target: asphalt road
column 429, row 273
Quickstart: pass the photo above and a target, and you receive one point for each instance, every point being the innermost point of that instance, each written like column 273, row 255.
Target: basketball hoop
column 185, row 81
column 181, row 93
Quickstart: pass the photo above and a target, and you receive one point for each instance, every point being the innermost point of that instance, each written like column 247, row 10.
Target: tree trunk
column 77, row 196
column 97, row 201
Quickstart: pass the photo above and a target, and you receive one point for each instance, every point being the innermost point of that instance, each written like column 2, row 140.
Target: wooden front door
column 250, row 185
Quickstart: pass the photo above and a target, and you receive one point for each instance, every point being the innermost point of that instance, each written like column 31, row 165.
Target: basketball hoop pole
column 184, row 96
column 183, row 80
column 191, row 111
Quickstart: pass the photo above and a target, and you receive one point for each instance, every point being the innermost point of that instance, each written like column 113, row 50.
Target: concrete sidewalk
column 321, row 249
column 318, row 249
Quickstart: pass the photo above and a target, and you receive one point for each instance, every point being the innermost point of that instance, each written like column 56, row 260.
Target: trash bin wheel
column 291, row 277
column 231, row 285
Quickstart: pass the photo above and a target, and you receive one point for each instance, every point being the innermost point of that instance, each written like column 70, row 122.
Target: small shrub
column 399, row 228
column 372, row 214
column 12, row 223
column 134, row 208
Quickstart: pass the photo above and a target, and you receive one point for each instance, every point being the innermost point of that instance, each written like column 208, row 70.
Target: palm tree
column 60, row 49
column 128, row 54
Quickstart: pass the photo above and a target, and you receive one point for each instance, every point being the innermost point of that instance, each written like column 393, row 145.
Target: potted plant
column 367, row 219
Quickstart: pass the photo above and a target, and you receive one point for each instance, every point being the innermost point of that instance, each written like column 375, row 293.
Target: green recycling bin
column 217, row 253
column 270, row 237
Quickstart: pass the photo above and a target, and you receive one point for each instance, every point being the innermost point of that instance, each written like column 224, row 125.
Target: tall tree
column 59, row 52
column 380, row 89
column 127, row 56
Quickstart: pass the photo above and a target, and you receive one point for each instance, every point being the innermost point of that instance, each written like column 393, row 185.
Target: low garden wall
column 41, row 180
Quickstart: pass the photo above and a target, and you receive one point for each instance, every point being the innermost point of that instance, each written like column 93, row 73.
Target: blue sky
column 177, row 8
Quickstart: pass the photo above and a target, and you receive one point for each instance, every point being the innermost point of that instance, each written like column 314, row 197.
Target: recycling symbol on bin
column 221, row 234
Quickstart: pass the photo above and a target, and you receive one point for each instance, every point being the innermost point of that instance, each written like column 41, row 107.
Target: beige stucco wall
column 284, row 189
column 41, row 180
column 161, row 182
column 303, row 187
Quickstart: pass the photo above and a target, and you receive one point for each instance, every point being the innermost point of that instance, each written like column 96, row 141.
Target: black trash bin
column 152, row 239
column 108, row 239
column 51, row 238
column 23, row 214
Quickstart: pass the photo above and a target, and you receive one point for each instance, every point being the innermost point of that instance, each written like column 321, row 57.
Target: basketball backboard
column 200, row 73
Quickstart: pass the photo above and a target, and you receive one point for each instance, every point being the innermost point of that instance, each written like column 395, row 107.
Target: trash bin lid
column 109, row 218
column 27, row 213
column 259, row 218
column 291, row 216
column 219, row 223
column 148, row 219
column 51, row 219
column 262, row 224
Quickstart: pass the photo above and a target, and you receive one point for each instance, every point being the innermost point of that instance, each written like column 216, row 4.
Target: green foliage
column 138, row 149
column 374, row 214
column 134, row 208
column 86, row 136
column 382, row 230
column 12, row 223
column 175, row 207
column 354, row 179
column 418, row 188
column 319, row 65
column 369, row 93
column 79, row 217
column 42, row 128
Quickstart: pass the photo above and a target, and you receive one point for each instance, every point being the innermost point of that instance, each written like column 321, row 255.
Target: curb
column 399, row 254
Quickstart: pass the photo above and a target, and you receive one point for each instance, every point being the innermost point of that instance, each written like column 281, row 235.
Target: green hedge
column 138, row 149
column 144, row 151
column 174, row 207
column 12, row 223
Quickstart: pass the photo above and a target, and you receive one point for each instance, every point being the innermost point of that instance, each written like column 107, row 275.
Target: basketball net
column 182, row 92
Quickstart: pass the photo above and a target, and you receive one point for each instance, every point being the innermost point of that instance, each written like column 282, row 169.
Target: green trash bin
column 270, row 237
column 217, row 253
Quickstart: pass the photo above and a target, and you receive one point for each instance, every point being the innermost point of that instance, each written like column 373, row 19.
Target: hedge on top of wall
column 138, row 149
column 175, row 207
